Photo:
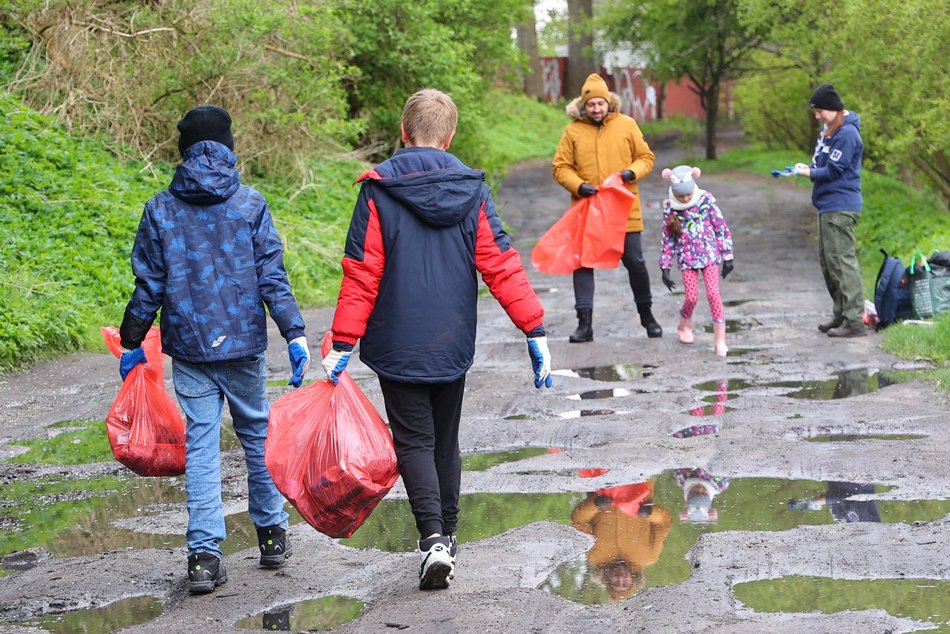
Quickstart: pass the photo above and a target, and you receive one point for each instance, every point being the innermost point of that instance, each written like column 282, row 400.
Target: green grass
column 83, row 442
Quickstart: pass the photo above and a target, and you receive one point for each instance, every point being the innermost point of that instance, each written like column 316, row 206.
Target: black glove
column 628, row 176
column 602, row 502
column 585, row 190
column 670, row 284
column 726, row 268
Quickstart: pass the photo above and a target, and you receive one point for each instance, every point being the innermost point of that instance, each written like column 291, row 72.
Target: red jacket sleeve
column 363, row 264
column 501, row 269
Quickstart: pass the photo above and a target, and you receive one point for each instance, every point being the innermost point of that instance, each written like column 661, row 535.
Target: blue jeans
column 201, row 389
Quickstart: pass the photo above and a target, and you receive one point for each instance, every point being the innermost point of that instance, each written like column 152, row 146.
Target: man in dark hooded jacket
column 423, row 228
column 207, row 254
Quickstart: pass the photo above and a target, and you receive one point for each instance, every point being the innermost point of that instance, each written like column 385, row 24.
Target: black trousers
column 636, row 271
column 424, row 419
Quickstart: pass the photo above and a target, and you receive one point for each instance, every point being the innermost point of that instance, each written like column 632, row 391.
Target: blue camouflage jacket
column 207, row 254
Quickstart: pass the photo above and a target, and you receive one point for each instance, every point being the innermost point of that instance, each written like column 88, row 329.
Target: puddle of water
column 612, row 373
column 710, row 410
column 696, row 430
column 846, row 384
column 485, row 461
column 738, row 302
column 314, row 615
column 596, row 394
column 662, row 538
column 578, row 413
column 924, row 600
column 109, row 618
column 721, row 385
column 739, row 352
column 518, row 417
column 732, row 325
column 853, row 437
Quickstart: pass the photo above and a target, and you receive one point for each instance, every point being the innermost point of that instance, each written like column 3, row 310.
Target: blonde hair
column 429, row 118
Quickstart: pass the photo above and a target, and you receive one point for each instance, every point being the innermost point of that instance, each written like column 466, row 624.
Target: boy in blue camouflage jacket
column 208, row 256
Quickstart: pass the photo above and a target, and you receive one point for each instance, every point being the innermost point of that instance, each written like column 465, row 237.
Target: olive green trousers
column 839, row 264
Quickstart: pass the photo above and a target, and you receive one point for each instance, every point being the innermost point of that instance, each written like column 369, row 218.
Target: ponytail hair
column 673, row 225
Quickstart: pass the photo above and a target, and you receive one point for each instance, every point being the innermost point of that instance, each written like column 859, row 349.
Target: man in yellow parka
column 598, row 142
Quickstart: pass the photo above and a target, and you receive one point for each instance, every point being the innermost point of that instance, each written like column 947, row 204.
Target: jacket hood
column 432, row 184
column 575, row 109
column 207, row 174
column 853, row 119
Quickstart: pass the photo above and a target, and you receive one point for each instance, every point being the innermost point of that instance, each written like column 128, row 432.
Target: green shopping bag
column 929, row 288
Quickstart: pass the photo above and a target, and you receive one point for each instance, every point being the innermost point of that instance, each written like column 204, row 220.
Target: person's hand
column 540, row 361
column 335, row 362
column 802, row 170
column 627, row 176
column 602, row 502
column 726, row 268
column 585, row 190
column 130, row 359
column 669, row 283
column 299, row 360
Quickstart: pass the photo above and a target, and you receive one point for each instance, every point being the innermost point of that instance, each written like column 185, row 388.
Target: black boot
column 584, row 332
column 647, row 321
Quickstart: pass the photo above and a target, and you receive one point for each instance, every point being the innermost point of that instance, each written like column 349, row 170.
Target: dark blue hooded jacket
column 423, row 227
column 836, row 168
column 207, row 254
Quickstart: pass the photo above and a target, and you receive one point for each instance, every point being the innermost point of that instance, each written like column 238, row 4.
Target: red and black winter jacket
column 424, row 226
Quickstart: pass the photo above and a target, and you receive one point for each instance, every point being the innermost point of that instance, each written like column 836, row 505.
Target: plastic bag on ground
column 330, row 453
column 146, row 432
column 590, row 234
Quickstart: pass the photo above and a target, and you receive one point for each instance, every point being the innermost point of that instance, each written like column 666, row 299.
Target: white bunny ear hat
column 682, row 179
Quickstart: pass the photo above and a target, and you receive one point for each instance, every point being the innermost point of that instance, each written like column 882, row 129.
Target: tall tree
column 528, row 43
column 580, row 44
column 702, row 40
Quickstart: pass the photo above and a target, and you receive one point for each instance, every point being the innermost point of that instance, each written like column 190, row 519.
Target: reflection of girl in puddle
column 700, row 488
column 719, row 401
column 629, row 531
column 843, row 509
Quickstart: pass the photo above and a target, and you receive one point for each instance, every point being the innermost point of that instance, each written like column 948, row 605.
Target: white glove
column 335, row 362
column 540, row 361
column 802, row 170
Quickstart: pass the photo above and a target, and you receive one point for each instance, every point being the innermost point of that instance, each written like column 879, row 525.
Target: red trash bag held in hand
column 330, row 453
column 590, row 234
column 146, row 432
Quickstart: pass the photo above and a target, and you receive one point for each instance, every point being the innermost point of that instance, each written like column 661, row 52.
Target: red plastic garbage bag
column 590, row 234
column 146, row 432
column 330, row 453
column 628, row 497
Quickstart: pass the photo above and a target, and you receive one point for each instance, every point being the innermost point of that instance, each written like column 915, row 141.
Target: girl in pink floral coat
column 696, row 234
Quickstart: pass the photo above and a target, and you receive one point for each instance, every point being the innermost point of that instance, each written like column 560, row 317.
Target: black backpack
column 891, row 292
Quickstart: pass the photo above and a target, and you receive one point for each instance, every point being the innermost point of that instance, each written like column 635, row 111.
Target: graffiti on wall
column 637, row 95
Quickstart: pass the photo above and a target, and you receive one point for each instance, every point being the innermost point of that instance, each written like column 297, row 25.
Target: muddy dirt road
column 872, row 506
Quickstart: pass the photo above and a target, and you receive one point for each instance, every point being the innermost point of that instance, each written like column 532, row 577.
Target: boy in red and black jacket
column 423, row 228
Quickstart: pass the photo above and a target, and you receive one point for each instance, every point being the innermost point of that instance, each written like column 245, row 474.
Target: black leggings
column 636, row 270
column 424, row 419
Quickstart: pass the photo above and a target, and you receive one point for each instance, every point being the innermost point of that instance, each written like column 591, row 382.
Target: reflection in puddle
column 693, row 502
column 710, row 410
column 696, row 430
column 518, row 417
column 925, row 600
column 732, row 325
column 595, row 394
column 326, row 613
column 737, row 302
column 485, row 461
column 617, row 372
column 718, row 385
column 853, row 437
column 578, row 413
column 848, row 383
column 109, row 618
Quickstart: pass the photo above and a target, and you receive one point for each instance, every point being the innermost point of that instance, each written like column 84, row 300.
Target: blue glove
column 130, row 359
column 335, row 362
column 540, row 361
column 299, row 360
column 787, row 171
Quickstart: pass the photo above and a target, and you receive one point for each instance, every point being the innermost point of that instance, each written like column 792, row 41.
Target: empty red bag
column 590, row 234
column 146, row 432
column 330, row 453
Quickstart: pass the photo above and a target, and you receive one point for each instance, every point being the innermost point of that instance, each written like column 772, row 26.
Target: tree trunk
column 580, row 46
column 528, row 43
column 712, row 115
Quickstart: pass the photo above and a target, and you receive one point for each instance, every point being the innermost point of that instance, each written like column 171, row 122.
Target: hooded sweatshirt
column 423, row 228
column 207, row 254
column 836, row 168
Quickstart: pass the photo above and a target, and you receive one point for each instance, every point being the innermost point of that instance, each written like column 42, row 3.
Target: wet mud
column 711, row 474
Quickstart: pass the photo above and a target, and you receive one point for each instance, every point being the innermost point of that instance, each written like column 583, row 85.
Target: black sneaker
column 205, row 573
column 654, row 330
column 275, row 546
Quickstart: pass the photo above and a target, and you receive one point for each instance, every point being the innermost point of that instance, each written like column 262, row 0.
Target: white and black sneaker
column 453, row 551
column 437, row 563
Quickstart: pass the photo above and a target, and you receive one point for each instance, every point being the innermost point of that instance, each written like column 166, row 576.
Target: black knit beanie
column 205, row 123
column 826, row 98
